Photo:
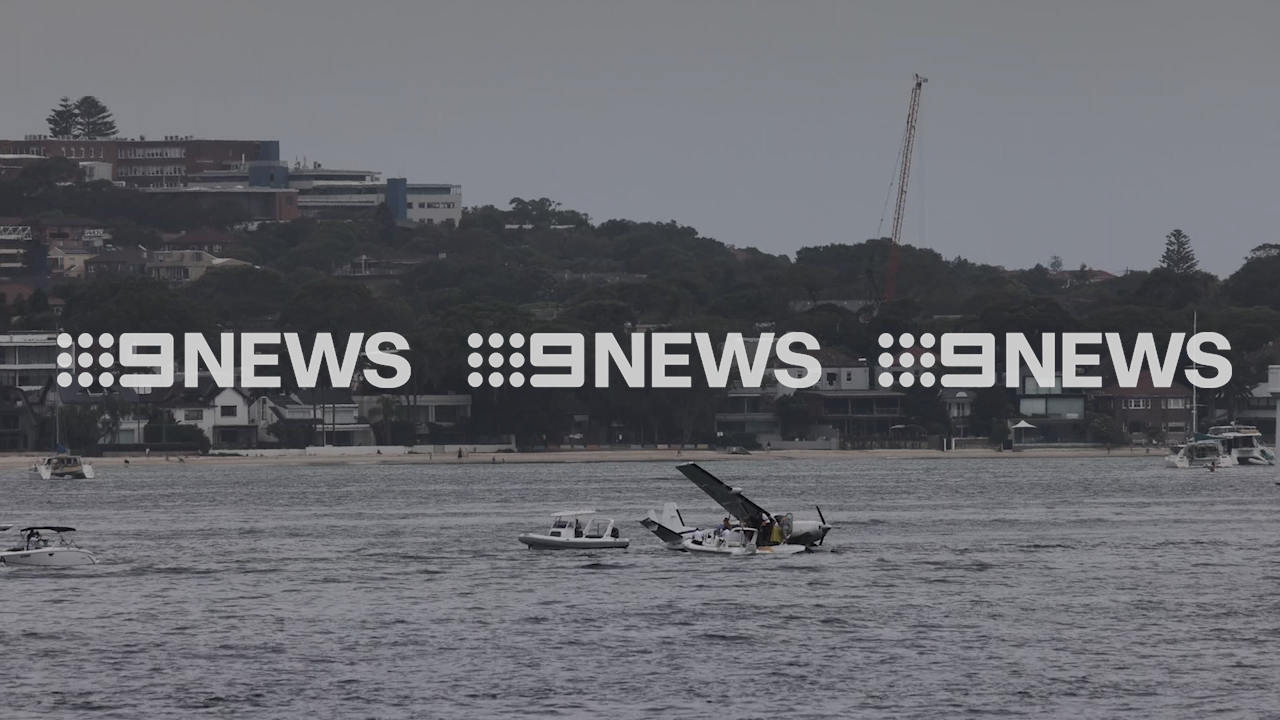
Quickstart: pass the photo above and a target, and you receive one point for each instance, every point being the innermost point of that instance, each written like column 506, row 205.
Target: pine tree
column 1178, row 256
column 62, row 119
column 93, row 119
column 1055, row 264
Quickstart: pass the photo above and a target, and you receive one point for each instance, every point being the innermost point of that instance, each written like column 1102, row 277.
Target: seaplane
column 670, row 527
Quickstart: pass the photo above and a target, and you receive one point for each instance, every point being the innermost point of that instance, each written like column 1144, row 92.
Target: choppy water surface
column 1084, row 588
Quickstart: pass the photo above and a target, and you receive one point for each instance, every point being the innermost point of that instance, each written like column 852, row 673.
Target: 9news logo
column 66, row 361
column 240, row 360
column 977, row 352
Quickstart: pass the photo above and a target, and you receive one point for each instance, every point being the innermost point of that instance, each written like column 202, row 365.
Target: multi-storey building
column 140, row 162
column 28, row 359
column 338, row 193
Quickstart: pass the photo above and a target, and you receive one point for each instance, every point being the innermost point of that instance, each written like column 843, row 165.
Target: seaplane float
column 735, row 541
column 39, row 551
column 568, row 533
column 770, row 534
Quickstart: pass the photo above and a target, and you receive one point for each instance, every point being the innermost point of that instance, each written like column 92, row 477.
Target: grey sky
column 1086, row 129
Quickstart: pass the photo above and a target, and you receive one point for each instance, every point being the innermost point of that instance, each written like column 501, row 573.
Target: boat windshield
column 559, row 523
column 597, row 528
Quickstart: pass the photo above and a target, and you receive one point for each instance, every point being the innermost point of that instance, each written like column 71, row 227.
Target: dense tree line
column 538, row 266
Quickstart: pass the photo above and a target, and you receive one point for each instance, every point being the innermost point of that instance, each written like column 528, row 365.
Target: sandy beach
column 249, row 458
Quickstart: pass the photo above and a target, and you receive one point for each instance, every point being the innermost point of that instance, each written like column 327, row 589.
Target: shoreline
column 248, row 459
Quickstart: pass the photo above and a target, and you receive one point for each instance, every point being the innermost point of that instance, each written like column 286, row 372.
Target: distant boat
column 64, row 464
column 1244, row 444
column 1198, row 453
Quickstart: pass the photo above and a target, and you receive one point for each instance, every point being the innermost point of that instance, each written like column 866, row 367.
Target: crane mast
column 908, row 143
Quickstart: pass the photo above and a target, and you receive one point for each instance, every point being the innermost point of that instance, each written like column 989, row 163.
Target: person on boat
column 697, row 536
column 33, row 539
column 726, row 525
column 577, row 527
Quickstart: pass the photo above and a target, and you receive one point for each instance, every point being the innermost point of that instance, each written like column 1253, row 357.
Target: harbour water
column 1007, row 587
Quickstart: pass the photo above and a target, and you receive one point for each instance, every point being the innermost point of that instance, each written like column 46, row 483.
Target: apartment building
column 28, row 359
column 139, row 162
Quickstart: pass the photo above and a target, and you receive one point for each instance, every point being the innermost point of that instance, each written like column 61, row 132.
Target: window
column 227, row 411
column 408, row 206
column 1137, row 403
column 421, row 205
column 193, row 415
column 831, row 378
column 1175, row 403
column 848, row 376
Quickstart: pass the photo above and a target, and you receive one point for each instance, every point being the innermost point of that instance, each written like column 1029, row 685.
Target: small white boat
column 1198, row 453
column 39, row 551
column 568, row 533
column 63, row 466
column 1244, row 444
column 736, row 541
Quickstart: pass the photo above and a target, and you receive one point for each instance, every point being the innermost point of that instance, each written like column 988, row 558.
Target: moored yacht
column 39, row 551
column 568, row 533
column 1198, row 453
column 1244, row 444
column 63, row 466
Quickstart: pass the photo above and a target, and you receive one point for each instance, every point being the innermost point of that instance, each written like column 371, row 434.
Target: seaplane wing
column 729, row 498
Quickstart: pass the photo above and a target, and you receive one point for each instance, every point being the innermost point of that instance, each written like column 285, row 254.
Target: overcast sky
column 1086, row 129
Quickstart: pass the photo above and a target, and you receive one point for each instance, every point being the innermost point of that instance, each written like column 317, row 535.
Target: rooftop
column 1145, row 388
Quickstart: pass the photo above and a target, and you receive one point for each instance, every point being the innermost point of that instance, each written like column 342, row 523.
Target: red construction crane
column 907, row 143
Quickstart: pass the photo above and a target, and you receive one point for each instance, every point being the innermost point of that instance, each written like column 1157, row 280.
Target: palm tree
column 386, row 412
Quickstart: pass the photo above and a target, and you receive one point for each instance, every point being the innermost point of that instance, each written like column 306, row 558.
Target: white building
column 28, row 359
column 328, row 417
column 326, row 191
column 223, row 415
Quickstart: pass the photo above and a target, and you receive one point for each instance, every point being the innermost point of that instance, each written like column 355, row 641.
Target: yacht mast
column 1194, row 426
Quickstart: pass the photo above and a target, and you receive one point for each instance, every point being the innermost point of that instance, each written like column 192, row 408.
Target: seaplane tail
column 669, row 526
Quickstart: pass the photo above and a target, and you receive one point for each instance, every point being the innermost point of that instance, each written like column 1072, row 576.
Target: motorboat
column 1198, row 453
column 1244, row 444
column 568, row 533
column 63, row 466
column 736, row 541
column 40, row 551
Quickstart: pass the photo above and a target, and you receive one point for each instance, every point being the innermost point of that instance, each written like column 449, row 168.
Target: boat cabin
column 570, row 525
column 737, row 537
column 601, row 528
column 32, row 539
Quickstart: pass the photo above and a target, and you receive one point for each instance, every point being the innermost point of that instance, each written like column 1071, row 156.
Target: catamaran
column 64, row 464
column 39, row 551
column 567, row 533
column 1243, row 443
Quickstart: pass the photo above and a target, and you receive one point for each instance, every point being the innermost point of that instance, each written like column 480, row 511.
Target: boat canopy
column 50, row 529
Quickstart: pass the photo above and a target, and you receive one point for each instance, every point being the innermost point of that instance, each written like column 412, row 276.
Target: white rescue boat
column 568, row 533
